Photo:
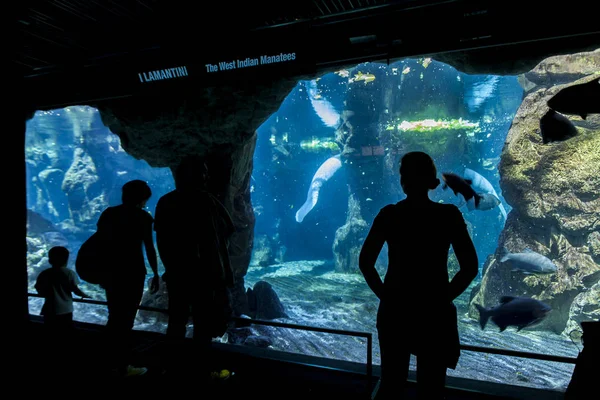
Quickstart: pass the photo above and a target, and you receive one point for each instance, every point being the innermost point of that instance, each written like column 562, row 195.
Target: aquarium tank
column 324, row 165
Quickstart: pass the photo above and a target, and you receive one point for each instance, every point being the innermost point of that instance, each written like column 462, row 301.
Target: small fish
column 406, row 70
column 555, row 127
column 528, row 262
column 582, row 99
column 514, row 311
column 426, row 62
column 462, row 186
column 362, row 77
column 344, row 73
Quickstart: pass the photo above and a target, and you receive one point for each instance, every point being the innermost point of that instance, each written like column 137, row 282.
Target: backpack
column 90, row 264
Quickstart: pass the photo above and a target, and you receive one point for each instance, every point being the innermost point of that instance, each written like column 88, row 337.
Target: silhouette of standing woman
column 126, row 230
column 416, row 314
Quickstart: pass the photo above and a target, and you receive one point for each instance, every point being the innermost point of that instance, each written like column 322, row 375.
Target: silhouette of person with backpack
column 192, row 233
column 125, row 231
column 416, row 297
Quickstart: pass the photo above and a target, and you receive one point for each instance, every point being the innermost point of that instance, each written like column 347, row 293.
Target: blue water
column 76, row 167
column 281, row 181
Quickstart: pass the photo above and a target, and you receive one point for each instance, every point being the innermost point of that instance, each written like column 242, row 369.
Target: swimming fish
column 528, row 262
column 582, row 99
column 462, row 186
column 555, row 127
column 487, row 201
column 362, row 77
column 514, row 311
column 479, row 183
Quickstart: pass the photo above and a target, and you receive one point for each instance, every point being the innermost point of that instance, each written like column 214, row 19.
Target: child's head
column 58, row 256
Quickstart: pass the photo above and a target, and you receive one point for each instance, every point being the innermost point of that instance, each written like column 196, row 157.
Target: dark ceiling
column 70, row 50
column 61, row 32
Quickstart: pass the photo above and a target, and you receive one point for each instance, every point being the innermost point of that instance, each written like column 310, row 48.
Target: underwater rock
column 56, row 201
column 239, row 335
column 553, row 190
column 258, row 341
column 79, row 185
column 55, row 239
column 561, row 69
column 263, row 251
column 349, row 238
column 585, row 307
column 218, row 122
column 264, row 303
column 37, row 224
column 594, row 245
column 235, row 181
column 474, row 292
column 42, row 235
column 511, row 60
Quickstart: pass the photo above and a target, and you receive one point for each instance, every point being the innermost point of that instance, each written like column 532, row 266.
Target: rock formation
column 219, row 123
column 554, row 190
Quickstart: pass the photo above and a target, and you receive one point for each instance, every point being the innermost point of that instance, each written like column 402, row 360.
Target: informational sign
column 162, row 74
column 265, row 59
column 223, row 67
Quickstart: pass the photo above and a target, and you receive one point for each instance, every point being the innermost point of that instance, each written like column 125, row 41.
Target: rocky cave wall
column 554, row 190
column 218, row 123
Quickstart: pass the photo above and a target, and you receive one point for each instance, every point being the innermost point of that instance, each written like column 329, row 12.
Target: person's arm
column 151, row 255
column 164, row 242
column 75, row 286
column 41, row 286
column 465, row 254
column 369, row 253
column 81, row 293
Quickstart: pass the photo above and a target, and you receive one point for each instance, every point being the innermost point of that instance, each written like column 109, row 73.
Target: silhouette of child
column 57, row 284
column 416, row 314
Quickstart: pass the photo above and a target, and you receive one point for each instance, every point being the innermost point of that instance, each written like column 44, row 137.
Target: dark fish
column 487, row 201
column 514, row 311
column 528, row 262
column 582, row 99
column 462, row 186
column 556, row 127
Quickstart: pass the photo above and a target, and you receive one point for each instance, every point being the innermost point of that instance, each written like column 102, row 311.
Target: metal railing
column 367, row 335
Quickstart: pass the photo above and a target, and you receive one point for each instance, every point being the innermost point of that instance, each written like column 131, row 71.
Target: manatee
column 323, row 174
column 482, row 184
column 323, row 108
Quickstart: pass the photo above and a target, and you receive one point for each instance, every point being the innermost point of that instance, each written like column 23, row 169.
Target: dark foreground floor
column 257, row 375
